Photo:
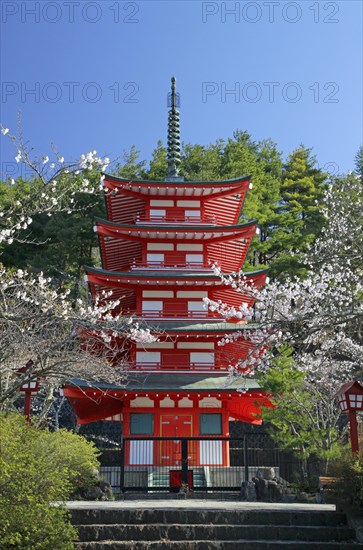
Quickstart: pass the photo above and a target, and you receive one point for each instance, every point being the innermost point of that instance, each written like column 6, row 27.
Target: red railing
column 168, row 264
column 190, row 366
column 176, row 218
column 152, row 314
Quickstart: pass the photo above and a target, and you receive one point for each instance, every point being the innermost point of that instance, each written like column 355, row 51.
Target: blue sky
column 100, row 72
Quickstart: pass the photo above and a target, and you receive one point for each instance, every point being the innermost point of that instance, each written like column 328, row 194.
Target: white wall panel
column 197, row 306
column 142, row 402
column 158, row 294
column 156, row 202
column 192, row 247
column 160, row 246
column 148, row 357
column 210, row 403
column 152, row 305
column 141, row 452
column 192, row 294
column 167, row 402
column 195, row 345
column 155, row 257
column 202, row 357
column 194, row 258
column 161, row 345
column 211, row 452
column 196, row 204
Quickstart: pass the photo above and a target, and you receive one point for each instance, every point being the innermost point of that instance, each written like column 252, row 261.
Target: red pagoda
column 158, row 245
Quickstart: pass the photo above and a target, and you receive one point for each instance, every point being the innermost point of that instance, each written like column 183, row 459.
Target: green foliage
column 74, row 455
column 202, row 163
column 38, row 467
column 285, row 200
column 131, row 167
column 298, row 218
column 301, row 421
column 239, row 156
column 348, row 470
column 158, row 164
column 59, row 245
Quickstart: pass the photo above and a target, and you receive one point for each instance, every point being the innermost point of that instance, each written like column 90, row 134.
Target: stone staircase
column 222, row 529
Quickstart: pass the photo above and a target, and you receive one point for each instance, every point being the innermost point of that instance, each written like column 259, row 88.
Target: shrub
column 38, row 467
column 348, row 470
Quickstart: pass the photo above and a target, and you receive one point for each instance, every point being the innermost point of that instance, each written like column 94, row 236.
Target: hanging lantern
column 350, row 398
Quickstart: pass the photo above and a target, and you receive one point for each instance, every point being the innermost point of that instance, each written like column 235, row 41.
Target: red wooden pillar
column 126, row 430
column 225, row 433
column 157, row 428
column 350, row 398
column 354, row 431
column 27, row 404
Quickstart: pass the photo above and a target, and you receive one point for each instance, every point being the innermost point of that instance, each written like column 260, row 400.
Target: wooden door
column 174, row 425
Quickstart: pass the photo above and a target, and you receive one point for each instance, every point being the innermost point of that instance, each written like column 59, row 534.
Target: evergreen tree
column 284, row 200
column 220, row 161
column 202, row 163
column 131, row 167
column 298, row 218
column 58, row 245
column 305, row 419
column 158, row 164
column 263, row 197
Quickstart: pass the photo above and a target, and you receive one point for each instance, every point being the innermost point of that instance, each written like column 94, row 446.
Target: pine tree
column 265, row 195
column 202, row 163
column 298, row 219
column 131, row 167
column 158, row 165
column 285, row 201
column 59, row 245
column 222, row 160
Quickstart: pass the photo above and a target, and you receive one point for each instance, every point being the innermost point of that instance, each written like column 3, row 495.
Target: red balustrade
column 177, row 218
column 152, row 314
column 168, row 264
column 158, row 366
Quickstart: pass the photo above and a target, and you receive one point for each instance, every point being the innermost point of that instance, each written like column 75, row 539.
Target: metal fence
column 151, row 464
column 197, row 464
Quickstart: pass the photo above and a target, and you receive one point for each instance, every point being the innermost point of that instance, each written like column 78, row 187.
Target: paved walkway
column 196, row 504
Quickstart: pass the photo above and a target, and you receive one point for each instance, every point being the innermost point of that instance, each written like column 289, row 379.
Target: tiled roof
column 160, row 382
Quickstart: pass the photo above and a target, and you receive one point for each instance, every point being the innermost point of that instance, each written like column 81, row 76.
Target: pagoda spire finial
column 173, row 152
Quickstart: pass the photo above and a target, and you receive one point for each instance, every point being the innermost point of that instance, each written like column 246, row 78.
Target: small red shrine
column 158, row 245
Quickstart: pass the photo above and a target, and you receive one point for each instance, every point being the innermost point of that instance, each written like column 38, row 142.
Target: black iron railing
column 190, row 463
column 207, row 463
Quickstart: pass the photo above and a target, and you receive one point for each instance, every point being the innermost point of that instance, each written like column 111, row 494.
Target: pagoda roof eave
column 175, row 227
column 150, row 382
column 166, row 274
column 240, row 179
column 212, row 326
column 198, row 326
column 167, row 232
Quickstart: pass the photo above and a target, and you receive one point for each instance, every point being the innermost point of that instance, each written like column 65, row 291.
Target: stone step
column 218, row 545
column 180, row 532
column 123, row 516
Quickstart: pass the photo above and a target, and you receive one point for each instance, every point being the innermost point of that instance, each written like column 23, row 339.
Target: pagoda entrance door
column 179, row 425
